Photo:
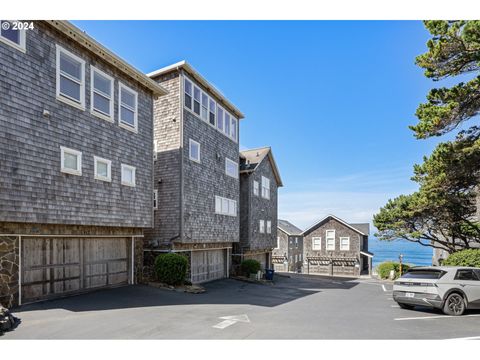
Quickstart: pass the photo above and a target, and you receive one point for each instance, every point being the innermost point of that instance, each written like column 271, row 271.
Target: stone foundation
column 9, row 262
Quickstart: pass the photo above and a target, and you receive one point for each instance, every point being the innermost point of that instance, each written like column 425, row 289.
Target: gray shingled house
column 288, row 254
column 259, row 183
column 196, row 175
column 76, row 157
column 332, row 246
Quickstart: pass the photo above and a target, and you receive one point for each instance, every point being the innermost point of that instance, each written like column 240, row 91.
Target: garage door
column 60, row 266
column 208, row 265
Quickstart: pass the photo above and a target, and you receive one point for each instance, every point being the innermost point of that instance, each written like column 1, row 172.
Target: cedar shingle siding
column 36, row 198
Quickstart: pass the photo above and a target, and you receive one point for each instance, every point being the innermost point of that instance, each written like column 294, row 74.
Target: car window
column 424, row 274
column 466, row 275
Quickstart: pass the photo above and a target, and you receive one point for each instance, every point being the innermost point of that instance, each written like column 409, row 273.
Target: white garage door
column 208, row 265
column 58, row 266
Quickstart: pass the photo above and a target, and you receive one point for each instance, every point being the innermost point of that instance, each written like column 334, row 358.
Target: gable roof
column 253, row 158
column 288, row 228
column 362, row 227
column 355, row 227
column 90, row 44
column 204, row 82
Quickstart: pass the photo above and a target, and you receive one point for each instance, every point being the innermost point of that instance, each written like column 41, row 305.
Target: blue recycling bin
column 269, row 274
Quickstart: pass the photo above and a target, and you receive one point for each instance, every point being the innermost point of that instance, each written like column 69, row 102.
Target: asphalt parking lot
column 299, row 307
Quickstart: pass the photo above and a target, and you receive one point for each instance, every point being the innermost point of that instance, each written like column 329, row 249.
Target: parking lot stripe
column 435, row 317
column 466, row 338
column 384, row 288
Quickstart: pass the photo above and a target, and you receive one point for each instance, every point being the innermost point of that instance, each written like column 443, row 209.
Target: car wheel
column 406, row 306
column 454, row 305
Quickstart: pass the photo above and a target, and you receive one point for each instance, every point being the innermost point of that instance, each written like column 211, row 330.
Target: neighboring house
column 196, row 175
column 288, row 254
column 76, row 158
column 331, row 246
column 259, row 183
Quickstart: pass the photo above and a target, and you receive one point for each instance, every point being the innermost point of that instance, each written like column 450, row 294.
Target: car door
column 469, row 281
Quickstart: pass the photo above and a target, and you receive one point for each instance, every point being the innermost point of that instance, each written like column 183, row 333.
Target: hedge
column 171, row 268
column 384, row 269
column 467, row 257
column 250, row 266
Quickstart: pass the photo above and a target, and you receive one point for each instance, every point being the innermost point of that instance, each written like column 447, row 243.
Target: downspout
column 19, row 270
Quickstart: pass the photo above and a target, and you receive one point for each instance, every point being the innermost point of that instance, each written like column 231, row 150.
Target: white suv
column 452, row 289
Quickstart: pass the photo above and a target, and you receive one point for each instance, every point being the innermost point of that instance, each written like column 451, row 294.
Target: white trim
column 109, row 168
column 121, row 122
column 333, row 217
column 269, row 226
column 128, row 167
column 314, row 238
column 265, row 181
column 278, row 242
column 227, row 160
column 77, row 153
column 99, row 113
column 256, row 188
column 80, row 104
column 261, row 225
column 366, row 254
column 22, row 46
column 341, row 246
column 190, row 142
column 327, row 247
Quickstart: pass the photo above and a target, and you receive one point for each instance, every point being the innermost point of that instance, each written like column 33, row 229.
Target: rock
column 7, row 320
column 194, row 289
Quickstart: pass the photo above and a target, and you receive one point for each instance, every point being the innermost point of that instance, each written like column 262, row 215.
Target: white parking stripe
column 467, row 338
column 435, row 317
column 384, row 288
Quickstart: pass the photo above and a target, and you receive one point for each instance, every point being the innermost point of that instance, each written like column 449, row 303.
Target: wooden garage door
column 208, row 265
column 58, row 266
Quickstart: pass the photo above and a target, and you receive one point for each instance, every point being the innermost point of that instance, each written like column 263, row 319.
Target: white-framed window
column 204, row 113
column 233, row 129
column 255, row 188
column 128, row 175
column 345, row 243
column 212, row 106
column 196, row 100
column 269, row 227
column 227, row 123
column 11, row 36
column 231, row 168
column 330, row 239
column 262, row 226
column 101, row 94
column 224, row 206
column 265, row 187
column 278, row 242
column 194, row 150
column 220, row 118
column 300, row 257
column 70, row 78
column 127, row 107
column 102, row 169
column 188, row 94
column 155, row 199
column 71, row 161
column 316, row 243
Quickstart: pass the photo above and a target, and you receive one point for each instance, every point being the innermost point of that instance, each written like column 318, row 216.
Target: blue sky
column 333, row 99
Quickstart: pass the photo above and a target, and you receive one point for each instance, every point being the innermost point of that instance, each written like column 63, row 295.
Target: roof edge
column 90, row 44
column 195, row 74
column 336, row 218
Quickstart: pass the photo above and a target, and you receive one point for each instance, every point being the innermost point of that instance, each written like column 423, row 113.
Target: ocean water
column 413, row 254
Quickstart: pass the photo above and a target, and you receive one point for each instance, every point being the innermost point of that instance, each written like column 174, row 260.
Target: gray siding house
column 288, row 254
column 332, row 246
column 196, row 175
column 259, row 183
column 76, row 157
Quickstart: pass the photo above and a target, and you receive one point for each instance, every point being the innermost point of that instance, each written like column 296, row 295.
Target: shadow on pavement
column 222, row 292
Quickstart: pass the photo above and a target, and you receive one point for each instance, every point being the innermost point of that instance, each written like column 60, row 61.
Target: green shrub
column 467, row 257
column 384, row 269
column 250, row 266
column 171, row 268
